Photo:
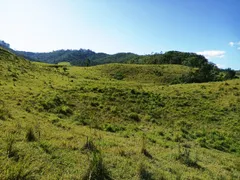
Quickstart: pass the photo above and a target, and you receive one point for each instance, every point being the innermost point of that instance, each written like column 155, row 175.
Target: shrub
column 4, row 113
column 30, row 136
column 158, row 73
column 11, row 152
column 135, row 117
column 25, row 168
column 46, row 146
column 185, row 158
column 143, row 173
column 52, row 103
column 118, row 76
column 97, row 169
column 113, row 128
column 65, row 110
column 144, row 150
column 83, row 119
column 89, row 146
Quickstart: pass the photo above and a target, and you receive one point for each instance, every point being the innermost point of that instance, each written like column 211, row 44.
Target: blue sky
column 208, row 27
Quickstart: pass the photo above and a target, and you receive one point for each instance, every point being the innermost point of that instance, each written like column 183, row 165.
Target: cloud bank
column 212, row 54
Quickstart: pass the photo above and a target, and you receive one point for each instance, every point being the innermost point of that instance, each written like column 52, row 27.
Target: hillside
column 201, row 69
column 139, row 73
column 205, row 72
column 61, row 122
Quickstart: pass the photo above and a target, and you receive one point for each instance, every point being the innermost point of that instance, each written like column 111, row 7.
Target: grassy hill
column 138, row 73
column 202, row 70
column 115, row 122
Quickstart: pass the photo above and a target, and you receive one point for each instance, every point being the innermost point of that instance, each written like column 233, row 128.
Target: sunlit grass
column 191, row 131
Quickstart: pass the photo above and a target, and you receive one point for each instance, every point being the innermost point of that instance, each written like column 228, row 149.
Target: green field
column 115, row 121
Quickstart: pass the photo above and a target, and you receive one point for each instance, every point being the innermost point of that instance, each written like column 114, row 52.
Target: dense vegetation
column 202, row 70
column 80, row 57
column 115, row 121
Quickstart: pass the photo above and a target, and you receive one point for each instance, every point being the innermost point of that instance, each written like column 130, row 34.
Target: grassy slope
column 121, row 117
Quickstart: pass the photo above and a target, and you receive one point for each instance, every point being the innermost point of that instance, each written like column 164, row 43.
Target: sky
column 207, row 27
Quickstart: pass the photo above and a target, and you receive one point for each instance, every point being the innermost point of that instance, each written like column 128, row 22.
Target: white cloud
column 212, row 54
column 234, row 43
column 231, row 44
column 221, row 66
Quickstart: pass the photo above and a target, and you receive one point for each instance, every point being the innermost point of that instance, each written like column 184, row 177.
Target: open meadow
column 115, row 121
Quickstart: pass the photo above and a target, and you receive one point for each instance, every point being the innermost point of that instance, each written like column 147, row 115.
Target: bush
column 144, row 150
column 11, row 151
column 113, row 128
column 185, row 158
column 54, row 103
column 143, row 173
column 65, row 110
column 30, row 136
column 97, row 169
column 25, row 168
column 83, row 119
column 118, row 76
column 135, row 117
column 89, row 146
column 4, row 113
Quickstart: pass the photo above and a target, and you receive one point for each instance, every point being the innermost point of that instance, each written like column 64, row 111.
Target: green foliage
column 65, row 110
column 89, row 146
column 184, row 157
column 10, row 149
column 97, row 169
column 217, row 141
column 83, row 118
column 144, row 174
column 144, row 150
column 30, row 135
column 4, row 113
column 134, row 116
column 118, row 76
column 25, row 168
column 113, row 128
column 54, row 103
column 229, row 73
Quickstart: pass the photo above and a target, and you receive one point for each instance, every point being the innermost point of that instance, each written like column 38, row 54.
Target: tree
column 87, row 62
column 230, row 74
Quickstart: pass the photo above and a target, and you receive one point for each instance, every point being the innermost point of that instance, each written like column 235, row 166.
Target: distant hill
column 4, row 44
column 81, row 57
column 205, row 72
